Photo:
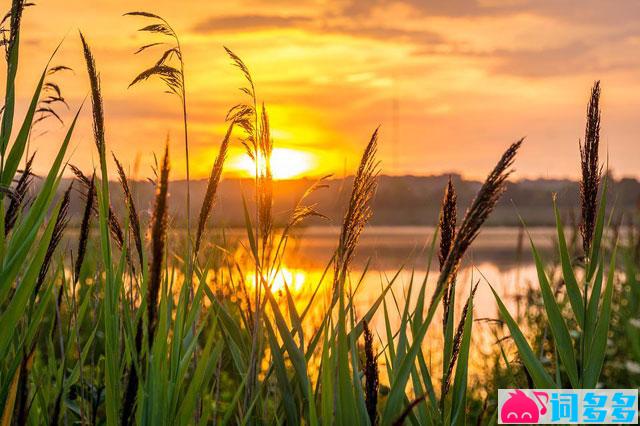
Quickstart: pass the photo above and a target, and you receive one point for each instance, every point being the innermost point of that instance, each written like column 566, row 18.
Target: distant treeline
column 399, row 201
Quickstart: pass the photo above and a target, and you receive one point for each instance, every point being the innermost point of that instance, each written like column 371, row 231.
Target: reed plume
column 371, row 375
column 358, row 212
column 115, row 229
column 52, row 97
column 169, row 68
column 591, row 171
column 212, row 188
column 19, row 195
column 482, row 205
column 96, row 97
column 245, row 114
column 134, row 219
column 58, row 230
column 158, row 243
column 457, row 341
column 447, row 227
column 85, row 226
column 303, row 211
column 265, row 181
column 14, row 16
column 21, row 410
column 258, row 145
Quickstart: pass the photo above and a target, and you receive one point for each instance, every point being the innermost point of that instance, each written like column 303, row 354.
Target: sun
column 286, row 163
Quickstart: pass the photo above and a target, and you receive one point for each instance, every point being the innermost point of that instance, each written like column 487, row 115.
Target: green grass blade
column 10, row 96
column 327, row 383
column 596, row 353
column 17, row 149
column 24, row 291
column 557, row 324
column 597, row 234
column 591, row 317
column 288, row 397
column 459, row 391
column 540, row 377
column 296, row 355
column 26, row 231
column 573, row 290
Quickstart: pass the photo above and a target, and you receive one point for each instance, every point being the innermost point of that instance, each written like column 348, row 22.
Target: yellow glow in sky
column 451, row 83
column 285, row 164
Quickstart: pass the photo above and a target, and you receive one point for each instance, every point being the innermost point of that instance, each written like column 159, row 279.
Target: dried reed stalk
column 134, row 219
column 483, row 204
column 58, row 230
column 212, row 188
column 158, row 244
column 457, row 341
column 371, row 375
column 19, row 196
column 447, row 227
column 590, row 169
column 85, row 226
column 358, row 211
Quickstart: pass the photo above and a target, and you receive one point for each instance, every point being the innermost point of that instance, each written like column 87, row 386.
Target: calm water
column 500, row 256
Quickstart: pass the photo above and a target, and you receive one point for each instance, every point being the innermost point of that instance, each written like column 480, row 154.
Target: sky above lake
column 451, row 83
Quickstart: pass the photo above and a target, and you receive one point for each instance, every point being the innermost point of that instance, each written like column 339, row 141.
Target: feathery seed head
column 590, row 167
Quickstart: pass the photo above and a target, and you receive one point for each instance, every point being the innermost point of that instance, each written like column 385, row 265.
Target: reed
column 457, row 341
column 85, row 226
column 590, row 300
column 257, row 355
column 371, row 375
column 115, row 229
column 58, row 230
column 172, row 75
column 447, row 226
column 358, row 212
column 158, row 244
column 20, row 192
column 482, row 205
column 134, row 220
column 591, row 169
column 212, row 188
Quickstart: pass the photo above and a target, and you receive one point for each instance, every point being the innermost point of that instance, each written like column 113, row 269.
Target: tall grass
column 131, row 333
column 590, row 306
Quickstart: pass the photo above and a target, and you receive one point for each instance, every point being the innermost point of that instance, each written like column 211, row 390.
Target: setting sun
column 286, row 163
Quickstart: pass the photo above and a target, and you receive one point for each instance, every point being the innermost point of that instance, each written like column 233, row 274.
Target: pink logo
column 519, row 408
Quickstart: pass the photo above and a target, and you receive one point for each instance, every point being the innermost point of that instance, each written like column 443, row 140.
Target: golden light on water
column 286, row 163
column 295, row 279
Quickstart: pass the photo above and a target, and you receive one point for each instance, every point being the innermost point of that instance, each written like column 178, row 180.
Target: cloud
column 588, row 11
column 429, row 8
column 249, row 22
column 572, row 58
column 319, row 25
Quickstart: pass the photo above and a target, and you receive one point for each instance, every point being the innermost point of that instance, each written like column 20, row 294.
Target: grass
column 135, row 333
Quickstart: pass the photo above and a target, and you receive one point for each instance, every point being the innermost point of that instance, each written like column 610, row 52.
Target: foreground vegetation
column 143, row 331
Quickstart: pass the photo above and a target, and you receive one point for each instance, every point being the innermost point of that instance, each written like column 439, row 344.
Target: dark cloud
column 587, row 11
column 569, row 59
column 320, row 25
column 572, row 59
column 249, row 22
column 385, row 33
column 426, row 7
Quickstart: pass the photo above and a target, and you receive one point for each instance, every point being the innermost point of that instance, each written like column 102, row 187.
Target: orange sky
column 451, row 82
